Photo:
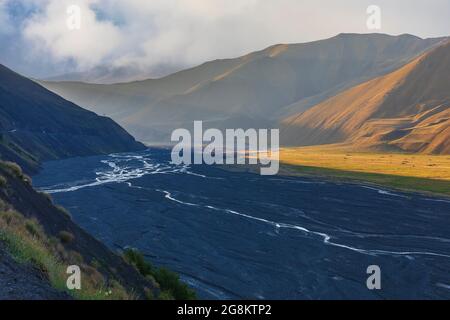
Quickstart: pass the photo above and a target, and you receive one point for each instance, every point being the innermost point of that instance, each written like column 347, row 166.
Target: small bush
column 153, row 281
column 13, row 168
column 149, row 295
column 66, row 237
column 27, row 179
column 96, row 264
column 11, row 217
column 169, row 282
column 64, row 211
column 165, row 295
column 59, row 250
column 3, row 205
column 3, row 182
column 75, row 258
column 94, row 275
column 33, row 228
column 134, row 257
column 47, row 196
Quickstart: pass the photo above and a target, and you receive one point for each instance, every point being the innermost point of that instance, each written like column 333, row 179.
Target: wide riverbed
column 238, row 235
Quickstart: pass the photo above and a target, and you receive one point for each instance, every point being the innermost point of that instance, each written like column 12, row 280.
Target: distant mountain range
column 256, row 90
column 268, row 88
column 38, row 125
column 406, row 110
column 111, row 75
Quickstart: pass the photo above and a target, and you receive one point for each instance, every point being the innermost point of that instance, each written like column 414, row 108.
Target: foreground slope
column 255, row 90
column 38, row 240
column 23, row 212
column 37, row 125
column 23, row 282
column 406, row 110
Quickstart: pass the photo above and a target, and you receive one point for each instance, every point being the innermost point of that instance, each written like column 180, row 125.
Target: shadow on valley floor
column 426, row 185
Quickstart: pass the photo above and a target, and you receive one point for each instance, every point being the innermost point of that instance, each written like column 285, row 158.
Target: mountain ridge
column 259, row 88
column 37, row 125
column 38, row 239
column 406, row 110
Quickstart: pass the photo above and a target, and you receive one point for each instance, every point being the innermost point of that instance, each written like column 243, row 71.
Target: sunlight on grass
column 27, row 243
column 405, row 171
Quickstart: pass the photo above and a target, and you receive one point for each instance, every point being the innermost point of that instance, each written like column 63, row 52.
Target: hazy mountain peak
column 258, row 88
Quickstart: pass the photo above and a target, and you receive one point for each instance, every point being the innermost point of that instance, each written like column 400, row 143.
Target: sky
column 43, row 38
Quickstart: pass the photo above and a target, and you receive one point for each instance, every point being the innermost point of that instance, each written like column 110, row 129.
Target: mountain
column 37, row 125
column 38, row 239
column 110, row 75
column 406, row 110
column 256, row 90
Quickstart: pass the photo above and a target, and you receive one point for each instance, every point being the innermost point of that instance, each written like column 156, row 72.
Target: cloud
column 5, row 23
column 148, row 34
column 49, row 31
column 188, row 32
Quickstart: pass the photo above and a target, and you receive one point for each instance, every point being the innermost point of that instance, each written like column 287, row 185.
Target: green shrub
column 3, row 182
column 3, row 205
column 149, row 295
column 33, row 228
column 64, row 211
column 75, row 257
column 47, row 196
column 13, row 168
column 27, row 179
column 66, row 237
column 41, row 252
column 11, row 217
column 94, row 275
column 134, row 257
column 96, row 264
column 153, row 281
column 169, row 282
column 165, row 295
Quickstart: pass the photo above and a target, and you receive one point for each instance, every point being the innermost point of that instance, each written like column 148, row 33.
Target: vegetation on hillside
column 15, row 170
column 171, row 285
column 27, row 242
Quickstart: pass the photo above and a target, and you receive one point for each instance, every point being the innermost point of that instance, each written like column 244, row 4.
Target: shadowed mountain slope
column 38, row 239
column 37, row 125
column 406, row 110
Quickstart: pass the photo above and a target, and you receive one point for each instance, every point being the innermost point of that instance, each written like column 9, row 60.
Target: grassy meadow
column 418, row 172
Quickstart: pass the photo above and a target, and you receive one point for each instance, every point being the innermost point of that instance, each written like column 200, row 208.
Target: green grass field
column 424, row 173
